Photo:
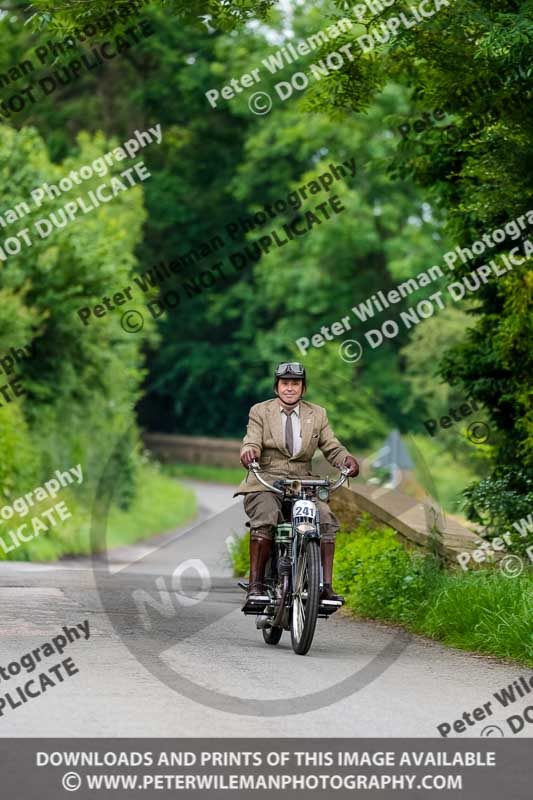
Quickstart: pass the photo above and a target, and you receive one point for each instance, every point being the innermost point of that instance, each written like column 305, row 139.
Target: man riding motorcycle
column 283, row 434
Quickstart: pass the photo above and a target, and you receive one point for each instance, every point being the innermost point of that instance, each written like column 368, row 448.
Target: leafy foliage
column 378, row 575
column 81, row 382
column 480, row 610
column 499, row 504
column 239, row 552
column 218, row 164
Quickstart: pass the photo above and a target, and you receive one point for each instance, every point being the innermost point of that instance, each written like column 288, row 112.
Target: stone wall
column 419, row 524
column 194, row 449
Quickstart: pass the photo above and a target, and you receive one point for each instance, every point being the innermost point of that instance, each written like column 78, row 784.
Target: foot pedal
column 243, row 585
column 256, row 604
column 328, row 607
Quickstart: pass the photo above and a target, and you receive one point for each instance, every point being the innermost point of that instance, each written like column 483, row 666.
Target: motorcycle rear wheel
column 272, row 635
column 306, row 598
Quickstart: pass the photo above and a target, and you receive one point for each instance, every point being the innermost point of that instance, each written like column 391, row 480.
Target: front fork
column 298, row 541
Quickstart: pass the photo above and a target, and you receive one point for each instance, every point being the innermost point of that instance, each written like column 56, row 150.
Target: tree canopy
column 438, row 121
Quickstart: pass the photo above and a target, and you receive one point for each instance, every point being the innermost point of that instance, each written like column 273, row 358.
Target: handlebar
column 311, row 482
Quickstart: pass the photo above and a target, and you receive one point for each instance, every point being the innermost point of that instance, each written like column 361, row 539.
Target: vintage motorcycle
column 293, row 574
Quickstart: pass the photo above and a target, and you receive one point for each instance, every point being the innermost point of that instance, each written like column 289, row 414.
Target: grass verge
column 239, row 551
column 202, row 472
column 481, row 611
column 159, row 505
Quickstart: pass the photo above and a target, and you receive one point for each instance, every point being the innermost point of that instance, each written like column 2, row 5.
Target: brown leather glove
column 352, row 465
column 248, row 456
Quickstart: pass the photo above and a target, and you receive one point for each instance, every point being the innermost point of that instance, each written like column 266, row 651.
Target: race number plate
column 304, row 508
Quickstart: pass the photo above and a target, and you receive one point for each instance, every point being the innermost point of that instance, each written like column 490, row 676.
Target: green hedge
column 482, row 611
column 81, row 382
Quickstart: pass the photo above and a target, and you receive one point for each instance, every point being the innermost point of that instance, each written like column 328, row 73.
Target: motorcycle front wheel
column 306, row 597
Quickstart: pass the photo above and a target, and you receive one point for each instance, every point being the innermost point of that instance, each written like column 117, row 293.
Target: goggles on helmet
column 291, row 367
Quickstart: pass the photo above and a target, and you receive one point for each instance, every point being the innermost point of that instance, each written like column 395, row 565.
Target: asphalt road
column 170, row 654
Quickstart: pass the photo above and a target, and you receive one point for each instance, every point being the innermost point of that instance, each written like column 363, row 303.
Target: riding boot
column 259, row 554
column 327, row 551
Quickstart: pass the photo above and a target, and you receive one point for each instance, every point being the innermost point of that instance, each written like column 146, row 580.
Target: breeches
column 264, row 511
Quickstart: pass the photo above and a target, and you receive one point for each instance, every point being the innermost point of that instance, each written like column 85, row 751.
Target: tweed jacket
column 265, row 433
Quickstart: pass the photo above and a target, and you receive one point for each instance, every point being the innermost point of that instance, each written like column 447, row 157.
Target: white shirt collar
column 296, row 409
